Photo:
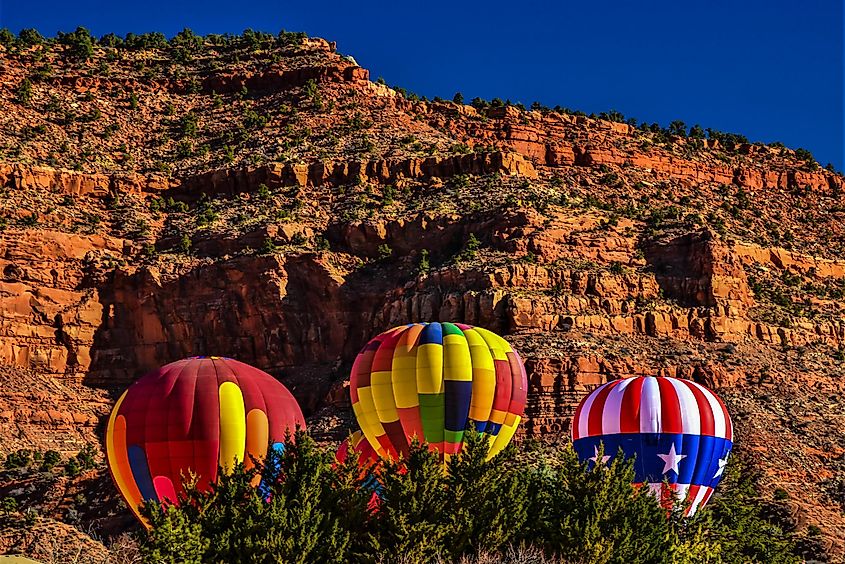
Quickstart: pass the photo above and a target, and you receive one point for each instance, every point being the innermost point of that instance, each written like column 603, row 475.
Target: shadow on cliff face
column 281, row 314
column 301, row 316
column 683, row 267
column 297, row 316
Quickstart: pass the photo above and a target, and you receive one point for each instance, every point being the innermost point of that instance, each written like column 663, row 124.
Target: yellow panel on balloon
column 502, row 439
column 483, row 377
column 456, row 358
column 405, row 377
column 497, row 345
column 232, row 426
column 383, row 397
column 367, row 416
column 430, row 368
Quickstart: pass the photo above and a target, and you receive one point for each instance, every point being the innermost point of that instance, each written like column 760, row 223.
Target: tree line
column 309, row 508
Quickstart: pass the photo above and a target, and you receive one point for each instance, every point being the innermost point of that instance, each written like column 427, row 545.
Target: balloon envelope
column 431, row 381
column 367, row 458
column 193, row 416
column 359, row 443
column 679, row 431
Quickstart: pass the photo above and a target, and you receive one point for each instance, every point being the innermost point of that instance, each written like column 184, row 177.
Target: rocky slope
column 259, row 197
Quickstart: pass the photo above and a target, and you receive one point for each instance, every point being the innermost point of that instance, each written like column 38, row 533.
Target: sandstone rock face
column 48, row 319
column 282, row 79
column 232, row 181
column 22, row 177
column 271, row 312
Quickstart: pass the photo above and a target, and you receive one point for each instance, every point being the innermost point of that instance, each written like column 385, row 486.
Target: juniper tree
column 595, row 515
column 488, row 506
column 414, row 498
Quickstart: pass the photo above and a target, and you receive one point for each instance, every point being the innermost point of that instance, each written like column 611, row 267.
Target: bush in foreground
column 309, row 509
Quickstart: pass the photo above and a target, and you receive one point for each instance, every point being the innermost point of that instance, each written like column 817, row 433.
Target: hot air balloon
column 431, row 381
column 679, row 431
column 367, row 458
column 357, row 442
column 194, row 416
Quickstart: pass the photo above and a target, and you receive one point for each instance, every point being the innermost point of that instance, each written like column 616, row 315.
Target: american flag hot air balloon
column 679, row 431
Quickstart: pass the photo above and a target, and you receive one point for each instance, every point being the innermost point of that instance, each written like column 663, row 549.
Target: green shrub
column 187, row 39
column 189, row 125
column 388, row 194
column 254, row 120
column 24, row 92
column 50, row 459
column 154, row 40
column 31, row 516
column 30, row 37
column 308, row 517
column 20, row 458
column 384, row 251
column 216, row 100
column 87, row 457
column 268, row 247
column 8, row 505
column 312, row 92
column 7, row 38
column 804, row 155
column 321, row 243
column 424, row 266
column 72, row 468
column 263, row 192
column 185, row 148
column 470, row 249
column 79, row 43
column 678, row 128
column 110, row 40
column 728, row 140
column 696, row 132
column 30, row 220
column 184, row 245
column 742, row 524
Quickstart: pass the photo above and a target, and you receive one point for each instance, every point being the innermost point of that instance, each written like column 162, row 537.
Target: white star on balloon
column 671, row 460
column 595, row 457
column 722, row 463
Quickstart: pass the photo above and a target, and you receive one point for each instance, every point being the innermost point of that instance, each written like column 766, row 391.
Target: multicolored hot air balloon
column 679, row 430
column 367, row 458
column 357, row 442
column 431, row 381
column 194, row 415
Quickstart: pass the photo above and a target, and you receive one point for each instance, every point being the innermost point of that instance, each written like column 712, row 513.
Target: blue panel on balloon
column 432, row 334
column 141, row 472
column 677, row 458
column 272, row 459
column 458, row 396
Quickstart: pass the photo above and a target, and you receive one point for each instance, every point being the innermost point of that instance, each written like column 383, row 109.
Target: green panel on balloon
column 451, row 329
column 432, row 408
column 453, row 436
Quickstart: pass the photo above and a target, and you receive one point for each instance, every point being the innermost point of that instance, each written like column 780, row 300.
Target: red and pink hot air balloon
column 194, row 416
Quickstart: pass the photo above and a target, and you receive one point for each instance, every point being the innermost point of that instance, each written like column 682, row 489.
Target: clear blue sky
column 770, row 69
